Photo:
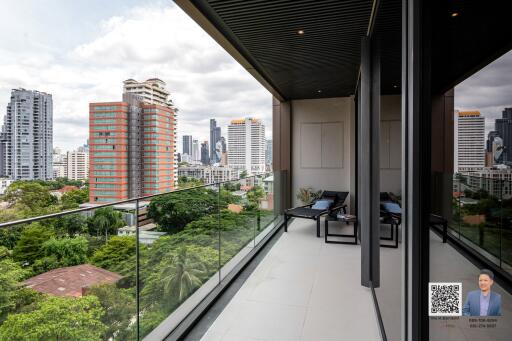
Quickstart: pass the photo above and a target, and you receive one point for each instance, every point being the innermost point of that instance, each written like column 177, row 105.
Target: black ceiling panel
column 466, row 36
column 322, row 62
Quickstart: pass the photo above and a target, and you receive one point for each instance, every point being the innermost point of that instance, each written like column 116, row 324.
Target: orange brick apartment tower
column 108, row 154
column 133, row 144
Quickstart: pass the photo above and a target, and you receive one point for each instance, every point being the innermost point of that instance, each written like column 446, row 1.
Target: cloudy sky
column 80, row 51
column 489, row 90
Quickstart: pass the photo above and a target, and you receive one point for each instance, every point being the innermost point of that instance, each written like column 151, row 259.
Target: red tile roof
column 71, row 281
column 67, row 188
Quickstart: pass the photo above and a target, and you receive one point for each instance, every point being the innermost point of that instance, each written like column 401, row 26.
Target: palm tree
column 182, row 275
column 102, row 223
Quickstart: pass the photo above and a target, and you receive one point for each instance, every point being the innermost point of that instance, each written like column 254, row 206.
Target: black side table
column 352, row 220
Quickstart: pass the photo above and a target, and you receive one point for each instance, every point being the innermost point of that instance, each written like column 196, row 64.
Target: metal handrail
column 86, row 209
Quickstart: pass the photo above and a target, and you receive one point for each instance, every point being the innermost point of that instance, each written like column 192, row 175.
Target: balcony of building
column 345, row 118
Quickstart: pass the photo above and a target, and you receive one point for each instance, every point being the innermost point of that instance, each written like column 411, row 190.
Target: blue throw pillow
column 392, row 207
column 322, row 204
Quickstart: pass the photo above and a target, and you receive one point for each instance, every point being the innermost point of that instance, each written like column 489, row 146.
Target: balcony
column 133, row 269
column 303, row 289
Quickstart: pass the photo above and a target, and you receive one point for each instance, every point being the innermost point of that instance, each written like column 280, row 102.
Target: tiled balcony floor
column 303, row 289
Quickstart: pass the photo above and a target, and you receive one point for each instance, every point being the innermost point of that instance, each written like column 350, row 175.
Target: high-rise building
column 196, row 155
column 469, row 141
column 490, row 139
column 77, row 165
column 72, row 165
column 133, row 144
column 224, row 152
column 246, row 145
column 84, row 148
column 268, row 152
column 187, row 145
column 59, row 163
column 504, row 130
column 152, row 91
column 26, row 142
column 205, row 155
column 215, row 137
column 209, row 174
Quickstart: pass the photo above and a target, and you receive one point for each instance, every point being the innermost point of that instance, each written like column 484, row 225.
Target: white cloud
column 143, row 42
column 488, row 90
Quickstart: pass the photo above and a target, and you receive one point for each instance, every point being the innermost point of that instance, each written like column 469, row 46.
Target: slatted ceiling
column 462, row 45
column 325, row 58
column 388, row 32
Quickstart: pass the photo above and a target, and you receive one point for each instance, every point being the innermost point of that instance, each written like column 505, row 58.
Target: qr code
column 445, row 299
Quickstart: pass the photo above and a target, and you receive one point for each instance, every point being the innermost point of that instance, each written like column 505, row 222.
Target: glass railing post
column 137, row 268
column 219, row 231
column 256, row 210
column 500, row 231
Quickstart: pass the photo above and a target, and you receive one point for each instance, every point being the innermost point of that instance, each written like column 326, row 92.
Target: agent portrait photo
column 483, row 302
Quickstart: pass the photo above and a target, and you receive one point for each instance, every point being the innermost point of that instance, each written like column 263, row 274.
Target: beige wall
column 322, row 145
column 325, row 160
column 390, row 144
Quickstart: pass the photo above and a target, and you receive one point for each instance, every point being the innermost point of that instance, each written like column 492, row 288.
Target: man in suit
column 483, row 302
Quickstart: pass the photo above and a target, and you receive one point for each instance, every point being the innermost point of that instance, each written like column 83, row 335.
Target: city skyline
column 78, row 69
column 487, row 91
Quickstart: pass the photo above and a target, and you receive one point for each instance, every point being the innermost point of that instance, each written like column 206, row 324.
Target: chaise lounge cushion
column 323, row 204
column 391, row 207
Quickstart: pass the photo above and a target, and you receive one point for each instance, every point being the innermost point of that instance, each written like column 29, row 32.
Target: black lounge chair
column 392, row 217
column 307, row 212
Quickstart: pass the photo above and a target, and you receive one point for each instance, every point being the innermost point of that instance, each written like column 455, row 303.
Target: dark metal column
column 416, row 114
column 368, row 164
column 281, row 152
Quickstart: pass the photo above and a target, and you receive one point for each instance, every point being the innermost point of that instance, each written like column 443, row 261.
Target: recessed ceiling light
column 395, row 86
column 300, row 32
column 455, row 14
column 319, row 91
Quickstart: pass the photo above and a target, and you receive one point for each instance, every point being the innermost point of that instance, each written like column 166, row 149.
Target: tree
column 57, row 318
column 74, row 198
column 118, row 255
column 4, row 252
column 119, row 306
column 11, row 293
column 243, row 174
column 187, row 182
column 105, row 221
column 231, row 186
column 178, row 275
column 10, row 236
column 71, row 225
column 30, row 194
column 58, row 183
column 29, row 246
column 254, row 195
column 61, row 252
column 11, row 214
column 175, row 210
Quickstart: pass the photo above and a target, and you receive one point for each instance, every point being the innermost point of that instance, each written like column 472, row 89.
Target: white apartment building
column 196, row 156
column 77, row 165
column 59, row 169
column 26, row 142
column 209, row 174
column 246, row 145
column 4, row 184
column 469, row 144
column 72, row 165
column 495, row 181
column 59, row 163
column 152, row 90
